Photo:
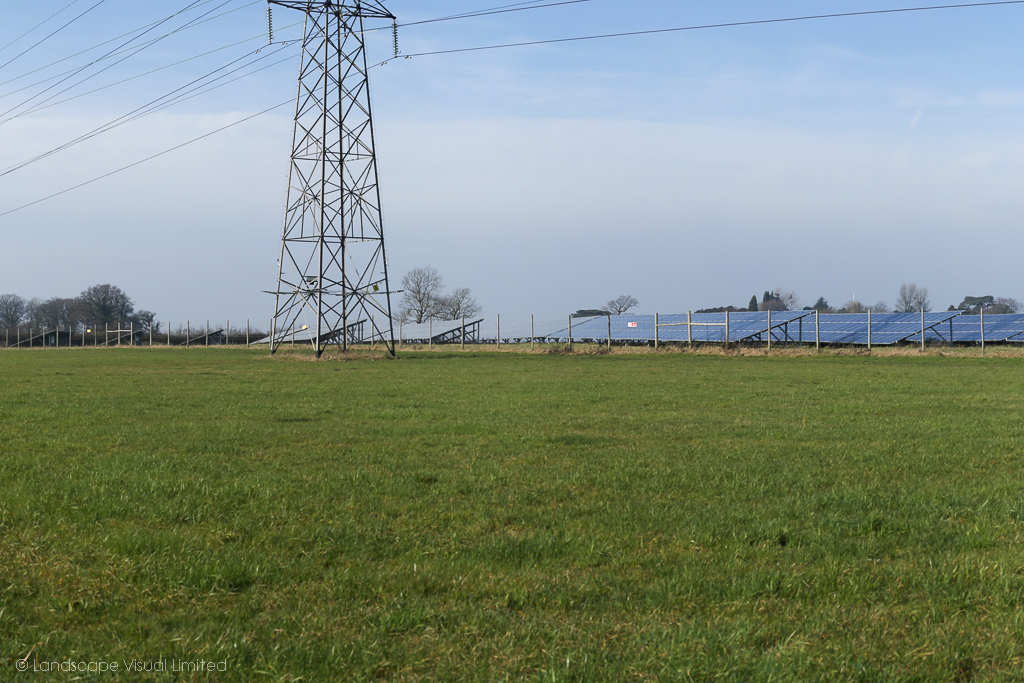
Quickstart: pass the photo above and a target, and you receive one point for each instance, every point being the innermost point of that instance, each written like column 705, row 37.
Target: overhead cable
column 149, row 158
column 52, row 34
column 83, row 68
column 197, row 87
column 137, row 76
column 191, row 25
column 38, row 25
column 131, row 53
column 731, row 24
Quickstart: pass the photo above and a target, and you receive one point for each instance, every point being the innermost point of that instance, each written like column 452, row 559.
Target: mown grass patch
column 503, row 516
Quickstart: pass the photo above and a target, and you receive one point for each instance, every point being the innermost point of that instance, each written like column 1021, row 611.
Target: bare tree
column 620, row 305
column 32, row 311
column 147, row 320
column 422, row 293
column 879, row 307
column 58, row 312
column 912, row 298
column 103, row 304
column 1005, row 305
column 460, row 303
column 12, row 310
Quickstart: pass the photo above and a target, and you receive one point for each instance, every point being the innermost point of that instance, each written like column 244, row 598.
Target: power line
column 38, row 25
column 142, row 75
column 81, row 69
column 487, row 12
column 52, row 34
column 152, row 107
column 732, row 24
column 149, row 158
column 191, row 25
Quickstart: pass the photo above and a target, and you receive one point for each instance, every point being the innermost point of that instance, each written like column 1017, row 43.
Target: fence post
column 247, row 332
column 727, row 330
column 227, row 332
column 188, row 331
column 531, row 332
column 499, row 331
column 869, row 329
column 655, row 331
column 463, row 333
column 769, row 329
column 430, row 333
column 982, row 330
column 609, row 332
column 922, row 329
column 570, row 333
column 207, row 334
column 817, row 331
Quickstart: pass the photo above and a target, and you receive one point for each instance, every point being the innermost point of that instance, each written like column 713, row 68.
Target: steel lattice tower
column 333, row 274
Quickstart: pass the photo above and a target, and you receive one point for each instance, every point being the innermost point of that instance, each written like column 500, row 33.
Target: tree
column 720, row 309
column 12, row 311
column 752, row 306
column 789, row 299
column 422, row 292
column 972, row 305
column 778, row 300
column 58, row 312
column 424, row 298
column 821, row 305
column 1005, row 305
column 459, row 304
column 621, row 304
column 32, row 311
column 105, row 304
column 772, row 305
column 147, row 320
column 853, row 307
column 912, row 298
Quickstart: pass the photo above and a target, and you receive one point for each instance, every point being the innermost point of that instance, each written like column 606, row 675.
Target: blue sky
column 834, row 158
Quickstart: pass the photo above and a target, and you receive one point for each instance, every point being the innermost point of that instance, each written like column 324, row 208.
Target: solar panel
column 998, row 328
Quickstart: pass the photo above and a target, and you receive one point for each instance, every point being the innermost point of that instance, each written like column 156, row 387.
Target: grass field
column 511, row 516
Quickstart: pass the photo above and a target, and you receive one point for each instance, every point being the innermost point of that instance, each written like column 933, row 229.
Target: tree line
column 912, row 298
column 98, row 305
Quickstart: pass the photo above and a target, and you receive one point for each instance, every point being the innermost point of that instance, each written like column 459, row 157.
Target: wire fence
column 130, row 334
column 762, row 328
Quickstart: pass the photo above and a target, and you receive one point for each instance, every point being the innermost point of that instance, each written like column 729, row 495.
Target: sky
column 835, row 158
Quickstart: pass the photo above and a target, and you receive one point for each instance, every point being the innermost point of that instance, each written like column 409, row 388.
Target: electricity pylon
column 332, row 285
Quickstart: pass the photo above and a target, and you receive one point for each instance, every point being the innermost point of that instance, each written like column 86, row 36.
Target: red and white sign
column 632, row 324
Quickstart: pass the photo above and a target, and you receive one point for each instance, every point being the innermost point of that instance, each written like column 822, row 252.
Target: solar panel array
column 781, row 327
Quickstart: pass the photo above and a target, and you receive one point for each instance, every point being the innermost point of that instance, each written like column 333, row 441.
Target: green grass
column 505, row 516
